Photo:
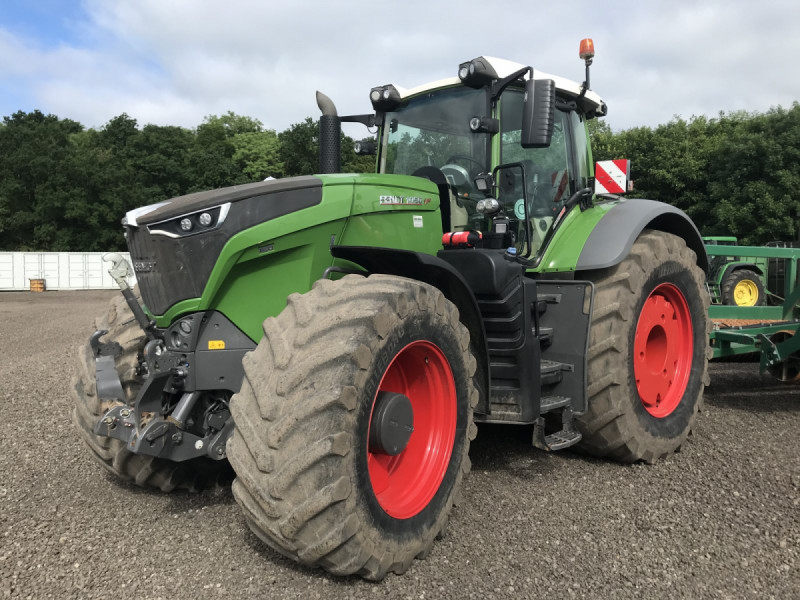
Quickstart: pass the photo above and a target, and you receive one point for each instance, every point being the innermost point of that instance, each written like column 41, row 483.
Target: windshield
column 433, row 131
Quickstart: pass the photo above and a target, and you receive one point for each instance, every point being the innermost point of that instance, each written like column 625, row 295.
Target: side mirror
column 538, row 113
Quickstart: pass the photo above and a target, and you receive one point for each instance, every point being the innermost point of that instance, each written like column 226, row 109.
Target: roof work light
column 477, row 72
column 384, row 98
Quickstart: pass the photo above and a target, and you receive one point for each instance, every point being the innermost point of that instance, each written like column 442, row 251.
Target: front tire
column 312, row 482
column 648, row 352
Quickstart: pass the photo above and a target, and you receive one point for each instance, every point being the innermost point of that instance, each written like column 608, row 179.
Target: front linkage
column 189, row 371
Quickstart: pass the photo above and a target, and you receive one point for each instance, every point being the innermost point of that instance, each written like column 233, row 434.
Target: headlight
column 489, row 206
column 209, row 219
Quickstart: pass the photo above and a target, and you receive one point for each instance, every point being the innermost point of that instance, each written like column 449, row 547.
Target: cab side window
column 547, row 170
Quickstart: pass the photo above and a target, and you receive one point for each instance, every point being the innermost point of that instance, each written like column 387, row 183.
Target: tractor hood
column 174, row 245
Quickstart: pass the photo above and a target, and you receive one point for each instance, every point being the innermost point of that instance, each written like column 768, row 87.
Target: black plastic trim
column 181, row 205
column 435, row 175
column 615, row 233
column 208, row 369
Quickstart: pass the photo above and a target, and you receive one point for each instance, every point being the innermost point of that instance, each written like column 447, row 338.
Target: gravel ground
column 721, row 519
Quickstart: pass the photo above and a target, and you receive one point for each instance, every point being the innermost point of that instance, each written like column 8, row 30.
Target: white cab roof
column 505, row 68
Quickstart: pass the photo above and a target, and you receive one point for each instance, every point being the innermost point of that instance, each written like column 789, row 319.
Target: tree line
column 65, row 188
column 737, row 174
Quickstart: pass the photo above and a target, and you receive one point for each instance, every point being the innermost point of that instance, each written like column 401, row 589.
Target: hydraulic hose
column 120, row 271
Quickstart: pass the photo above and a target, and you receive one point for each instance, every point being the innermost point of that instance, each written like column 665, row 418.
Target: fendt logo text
column 144, row 266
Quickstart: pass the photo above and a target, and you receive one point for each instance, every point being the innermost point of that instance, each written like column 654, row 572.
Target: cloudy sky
column 175, row 61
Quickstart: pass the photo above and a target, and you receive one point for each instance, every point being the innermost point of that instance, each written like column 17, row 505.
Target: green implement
column 768, row 331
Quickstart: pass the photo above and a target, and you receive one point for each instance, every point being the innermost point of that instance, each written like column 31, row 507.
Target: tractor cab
column 479, row 127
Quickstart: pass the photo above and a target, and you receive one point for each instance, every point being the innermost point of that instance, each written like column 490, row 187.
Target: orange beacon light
column 587, row 49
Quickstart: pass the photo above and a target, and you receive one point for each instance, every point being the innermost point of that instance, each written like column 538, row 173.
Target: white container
column 60, row 270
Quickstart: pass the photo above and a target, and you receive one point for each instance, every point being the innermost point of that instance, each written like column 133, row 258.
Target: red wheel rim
column 404, row 484
column 663, row 349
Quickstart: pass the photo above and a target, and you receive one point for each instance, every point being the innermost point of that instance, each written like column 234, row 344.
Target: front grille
column 158, row 264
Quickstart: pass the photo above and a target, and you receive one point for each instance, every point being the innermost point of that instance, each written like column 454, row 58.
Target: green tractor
column 335, row 338
column 736, row 282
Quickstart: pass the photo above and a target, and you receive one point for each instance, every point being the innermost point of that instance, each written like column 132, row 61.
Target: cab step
column 545, row 337
column 549, row 403
column 552, row 370
column 557, row 440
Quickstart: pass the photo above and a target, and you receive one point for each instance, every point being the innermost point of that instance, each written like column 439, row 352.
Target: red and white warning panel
column 611, row 176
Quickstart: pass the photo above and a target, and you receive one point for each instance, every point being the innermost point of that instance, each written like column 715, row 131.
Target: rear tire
column 650, row 313
column 743, row 287
column 144, row 471
column 307, row 479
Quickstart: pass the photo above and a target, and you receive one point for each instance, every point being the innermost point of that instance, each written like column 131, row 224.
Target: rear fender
column 738, row 266
column 612, row 238
column 436, row 272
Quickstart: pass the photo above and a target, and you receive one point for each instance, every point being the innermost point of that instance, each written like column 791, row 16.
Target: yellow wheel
column 745, row 293
column 743, row 288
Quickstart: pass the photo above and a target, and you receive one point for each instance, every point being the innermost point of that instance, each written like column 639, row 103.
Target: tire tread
column 609, row 427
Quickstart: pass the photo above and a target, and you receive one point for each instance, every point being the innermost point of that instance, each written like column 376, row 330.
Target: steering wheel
column 452, row 157
column 456, row 175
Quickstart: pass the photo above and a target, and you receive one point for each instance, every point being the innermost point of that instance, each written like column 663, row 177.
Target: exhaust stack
column 330, row 136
